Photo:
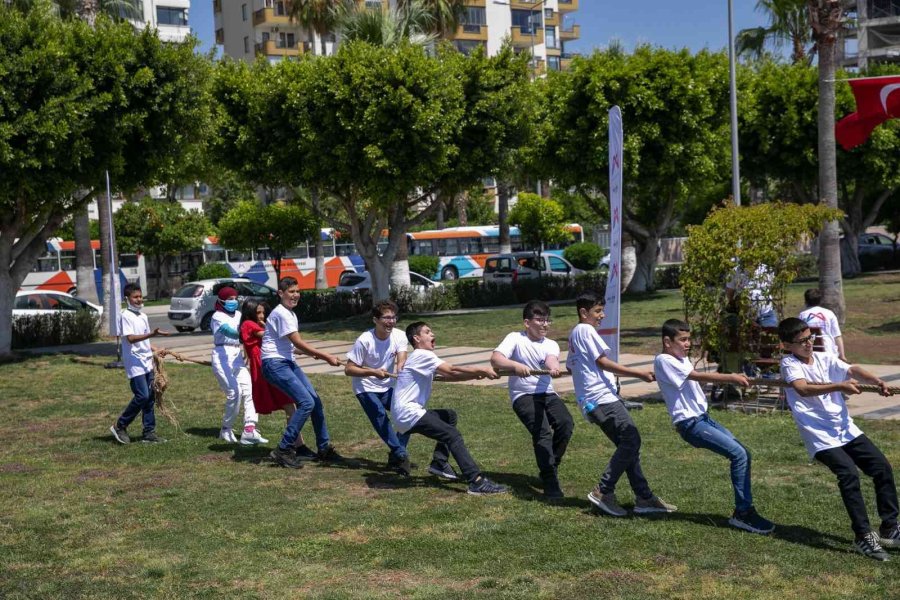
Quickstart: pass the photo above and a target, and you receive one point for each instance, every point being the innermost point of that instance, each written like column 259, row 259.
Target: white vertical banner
column 114, row 302
column 609, row 327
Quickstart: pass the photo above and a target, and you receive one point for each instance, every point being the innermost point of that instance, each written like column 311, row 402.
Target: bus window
column 345, row 249
column 423, row 248
column 452, row 247
column 328, row 248
column 47, row 263
column 214, row 255
column 67, row 260
column 515, row 242
column 491, row 245
column 236, row 256
column 298, row 252
column 128, row 261
column 263, row 254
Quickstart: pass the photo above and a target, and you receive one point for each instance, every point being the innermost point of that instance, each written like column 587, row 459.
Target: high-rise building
column 873, row 33
column 249, row 28
column 169, row 17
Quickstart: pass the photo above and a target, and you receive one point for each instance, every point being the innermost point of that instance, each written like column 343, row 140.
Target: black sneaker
column 629, row 405
column 868, row 545
column 303, row 452
column 285, row 458
column 890, row 537
column 750, row 520
column 444, row 471
column 329, row 454
column 151, row 438
column 552, row 490
column 120, row 434
column 482, row 486
column 404, row 468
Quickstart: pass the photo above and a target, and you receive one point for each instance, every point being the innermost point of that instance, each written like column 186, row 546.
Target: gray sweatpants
column 616, row 423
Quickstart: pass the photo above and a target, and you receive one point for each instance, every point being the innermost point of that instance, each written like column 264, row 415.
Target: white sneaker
column 251, row 438
column 228, row 435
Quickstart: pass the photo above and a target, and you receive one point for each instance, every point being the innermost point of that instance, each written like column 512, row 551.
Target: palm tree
column 319, row 16
column 446, row 15
column 407, row 22
column 788, row 24
column 826, row 17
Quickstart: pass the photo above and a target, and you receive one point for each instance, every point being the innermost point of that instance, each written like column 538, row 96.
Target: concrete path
column 198, row 347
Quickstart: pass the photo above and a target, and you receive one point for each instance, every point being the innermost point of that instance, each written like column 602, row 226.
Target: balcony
column 220, row 36
column 525, row 37
column 534, row 5
column 278, row 48
column 267, row 16
column 481, row 3
column 573, row 32
column 217, row 6
column 566, row 6
column 552, row 20
column 471, row 32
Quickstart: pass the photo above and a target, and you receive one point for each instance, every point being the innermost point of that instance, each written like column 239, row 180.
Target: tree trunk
column 104, row 217
column 84, row 256
column 7, row 299
column 400, row 264
column 462, row 201
column 503, row 189
column 825, row 15
column 439, row 217
column 646, row 265
column 319, row 245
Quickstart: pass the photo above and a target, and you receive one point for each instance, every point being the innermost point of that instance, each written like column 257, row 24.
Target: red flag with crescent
column 877, row 100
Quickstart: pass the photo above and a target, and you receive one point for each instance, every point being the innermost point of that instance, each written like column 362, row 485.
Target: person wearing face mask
column 231, row 371
column 137, row 354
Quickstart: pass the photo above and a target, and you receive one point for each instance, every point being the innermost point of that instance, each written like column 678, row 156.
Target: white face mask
column 135, row 307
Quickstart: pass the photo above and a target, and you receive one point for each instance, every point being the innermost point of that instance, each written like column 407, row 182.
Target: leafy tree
column 541, row 221
column 764, row 235
column 161, row 230
column 788, row 24
column 675, row 111
column 278, row 227
column 584, row 255
column 320, row 16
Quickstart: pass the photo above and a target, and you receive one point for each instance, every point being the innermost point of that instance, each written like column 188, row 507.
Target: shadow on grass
column 389, row 480
column 528, row 487
column 207, row 432
column 891, row 327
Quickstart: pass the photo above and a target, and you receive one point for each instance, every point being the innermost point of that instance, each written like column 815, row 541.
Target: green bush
column 64, row 327
column 807, row 267
column 424, row 265
column 326, row 305
column 585, row 256
column 667, row 277
column 213, row 271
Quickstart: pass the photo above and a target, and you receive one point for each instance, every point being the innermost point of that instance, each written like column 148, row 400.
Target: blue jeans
column 704, row 432
column 141, row 402
column 376, row 406
column 290, row 379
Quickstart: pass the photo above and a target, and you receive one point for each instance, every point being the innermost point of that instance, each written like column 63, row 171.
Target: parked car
column 876, row 251
column 356, row 282
column 512, row 267
column 604, row 262
column 193, row 305
column 48, row 302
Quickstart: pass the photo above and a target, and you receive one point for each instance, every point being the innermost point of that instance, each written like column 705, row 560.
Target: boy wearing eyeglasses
column 375, row 356
column 817, row 380
column 533, row 399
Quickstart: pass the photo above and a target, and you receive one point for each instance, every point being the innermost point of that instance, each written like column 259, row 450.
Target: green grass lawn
column 83, row 517
column 871, row 333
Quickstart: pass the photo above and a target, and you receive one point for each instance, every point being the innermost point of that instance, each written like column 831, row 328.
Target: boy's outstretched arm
column 498, row 361
column 859, row 373
column 305, row 348
column 454, row 373
column 610, row 365
column 806, row 389
column 732, row 378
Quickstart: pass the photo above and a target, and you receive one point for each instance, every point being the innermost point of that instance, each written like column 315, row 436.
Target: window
column 167, row 15
column 548, row 13
column 298, row 252
column 191, row 290
column 553, row 63
column 47, row 263
column 474, row 15
column 522, row 20
column 280, row 10
column 30, row 302
column 452, row 247
column 246, row 45
column 345, row 249
column 245, row 13
column 236, row 256
column 550, row 37
column 557, row 265
column 67, row 260
column 467, row 46
column 128, row 261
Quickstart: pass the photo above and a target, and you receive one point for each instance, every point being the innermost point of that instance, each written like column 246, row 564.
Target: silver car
column 510, row 268
column 193, row 305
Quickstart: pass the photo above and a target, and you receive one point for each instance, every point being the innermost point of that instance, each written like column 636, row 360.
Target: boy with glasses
column 534, row 401
column 375, row 356
column 817, row 380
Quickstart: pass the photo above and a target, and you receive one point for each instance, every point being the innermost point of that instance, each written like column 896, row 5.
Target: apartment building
column 169, row 17
column 872, row 34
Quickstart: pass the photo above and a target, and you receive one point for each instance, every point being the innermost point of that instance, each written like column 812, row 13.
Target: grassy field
column 83, row 517
column 871, row 333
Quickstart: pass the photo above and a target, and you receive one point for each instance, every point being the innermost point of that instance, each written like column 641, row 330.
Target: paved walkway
column 198, row 346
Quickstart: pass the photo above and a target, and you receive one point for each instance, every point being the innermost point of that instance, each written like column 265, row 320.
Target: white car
column 49, row 302
column 193, row 305
column 356, row 282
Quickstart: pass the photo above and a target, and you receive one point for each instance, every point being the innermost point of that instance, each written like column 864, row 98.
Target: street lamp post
column 735, row 158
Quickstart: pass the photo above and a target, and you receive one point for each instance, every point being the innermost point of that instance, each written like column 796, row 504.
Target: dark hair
column 249, row 308
column 589, row 300
column 673, row 327
column 789, row 328
column 131, row 288
column 535, row 308
column 286, row 282
column 380, row 307
column 412, row 330
column 813, row 297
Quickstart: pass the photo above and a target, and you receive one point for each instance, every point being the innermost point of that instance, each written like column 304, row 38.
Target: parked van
column 512, row 267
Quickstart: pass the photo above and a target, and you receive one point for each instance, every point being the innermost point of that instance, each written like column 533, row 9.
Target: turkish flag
column 876, row 102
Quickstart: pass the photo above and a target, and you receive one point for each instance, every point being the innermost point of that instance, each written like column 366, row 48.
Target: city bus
column 463, row 250
column 55, row 268
column 300, row 263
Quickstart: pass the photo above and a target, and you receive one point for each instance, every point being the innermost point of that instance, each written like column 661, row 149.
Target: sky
column 694, row 24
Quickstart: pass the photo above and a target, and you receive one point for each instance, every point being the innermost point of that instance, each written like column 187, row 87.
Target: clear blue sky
column 695, row 24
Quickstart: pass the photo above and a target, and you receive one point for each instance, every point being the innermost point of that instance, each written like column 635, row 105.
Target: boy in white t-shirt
column 137, row 354
column 592, row 373
column 410, row 416
column 375, row 356
column 686, row 403
column 817, row 381
column 280, row 338
column 816, row 315
column 534, row 401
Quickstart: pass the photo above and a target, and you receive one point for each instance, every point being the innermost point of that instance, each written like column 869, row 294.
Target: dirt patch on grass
column 217, row 457
column 356, row 535
column 872, row 349
column 88, row 474
column 16, row 468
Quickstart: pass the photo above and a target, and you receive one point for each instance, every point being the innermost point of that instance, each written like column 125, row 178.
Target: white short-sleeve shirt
column 684, row 397
column 137, row 357
column 369, row 351
column 827, row 322
column 593, row 385
column 824, row 421
column 522, row 349
column 281, row 323
column 413, row 389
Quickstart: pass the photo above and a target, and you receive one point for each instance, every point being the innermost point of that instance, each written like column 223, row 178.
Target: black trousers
column 843, row 462
column 550, row 424
column 440, row 425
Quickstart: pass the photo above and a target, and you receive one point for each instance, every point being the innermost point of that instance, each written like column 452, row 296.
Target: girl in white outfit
column 231, row 371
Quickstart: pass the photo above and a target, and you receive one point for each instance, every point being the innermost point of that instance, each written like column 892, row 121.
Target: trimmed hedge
column 212, row 271
column 585, row 255
column 64, row 327
column 424, row 265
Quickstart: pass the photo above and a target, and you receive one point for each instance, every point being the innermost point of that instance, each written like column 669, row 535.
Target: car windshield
column 191, row 290
column 350, row 279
